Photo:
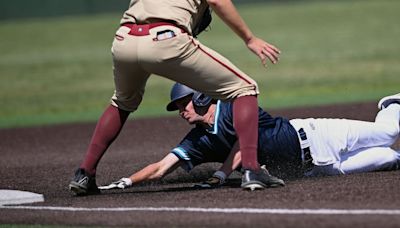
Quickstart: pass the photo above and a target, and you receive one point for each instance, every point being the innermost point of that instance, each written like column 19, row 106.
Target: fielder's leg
column 107, row 129
column 245, row 120
column 130, row 80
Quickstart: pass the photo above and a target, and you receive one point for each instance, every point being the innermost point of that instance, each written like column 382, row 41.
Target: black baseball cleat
column 386, row 101
column 83, row 184
column 253, row 180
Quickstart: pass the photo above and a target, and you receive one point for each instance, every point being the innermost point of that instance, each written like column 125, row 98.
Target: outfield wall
column 22, row 9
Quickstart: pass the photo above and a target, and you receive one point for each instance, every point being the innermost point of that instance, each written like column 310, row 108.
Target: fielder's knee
column 244, row 90
column 124, row 107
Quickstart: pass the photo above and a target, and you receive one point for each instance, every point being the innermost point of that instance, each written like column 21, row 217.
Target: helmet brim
column 171, row 106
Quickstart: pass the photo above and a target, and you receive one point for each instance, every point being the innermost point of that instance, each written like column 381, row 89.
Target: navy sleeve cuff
column 183, row 156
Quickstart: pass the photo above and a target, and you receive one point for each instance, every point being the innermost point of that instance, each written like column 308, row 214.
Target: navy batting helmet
column 180, row 91
column 201, row 100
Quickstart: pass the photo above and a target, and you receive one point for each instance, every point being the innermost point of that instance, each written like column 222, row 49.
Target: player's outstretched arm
column 228, row 13
column 151, row 172
column 232, row 162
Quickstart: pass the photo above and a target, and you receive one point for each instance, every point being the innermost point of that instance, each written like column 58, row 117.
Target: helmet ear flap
column 201, row 100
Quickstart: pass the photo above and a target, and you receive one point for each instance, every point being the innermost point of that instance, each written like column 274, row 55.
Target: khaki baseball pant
column 169, row 52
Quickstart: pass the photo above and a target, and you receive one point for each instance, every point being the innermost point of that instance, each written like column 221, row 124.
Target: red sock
column 245, row 120
column 107, row 129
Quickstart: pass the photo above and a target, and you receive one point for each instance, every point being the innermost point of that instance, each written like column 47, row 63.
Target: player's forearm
column 231, row 163
column 229, row 14
column 150, row 172
column 156, row 170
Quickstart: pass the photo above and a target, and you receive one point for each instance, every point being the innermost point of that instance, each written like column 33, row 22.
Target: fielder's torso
column 184, row 13
column 277, row 139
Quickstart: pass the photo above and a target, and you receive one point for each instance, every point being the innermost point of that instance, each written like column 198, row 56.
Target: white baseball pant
column 342, row 146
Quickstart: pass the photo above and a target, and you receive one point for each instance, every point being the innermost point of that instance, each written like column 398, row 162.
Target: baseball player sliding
column 311, row 146
column 158, row 37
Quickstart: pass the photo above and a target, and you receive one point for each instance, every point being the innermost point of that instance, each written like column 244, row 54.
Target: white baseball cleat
column 386, row 101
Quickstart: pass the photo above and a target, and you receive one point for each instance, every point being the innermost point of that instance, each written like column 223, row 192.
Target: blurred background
column 56, row 67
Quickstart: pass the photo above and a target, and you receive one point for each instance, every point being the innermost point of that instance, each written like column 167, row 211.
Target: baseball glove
column 212, row 182
column 204, row 22
column 217, row 180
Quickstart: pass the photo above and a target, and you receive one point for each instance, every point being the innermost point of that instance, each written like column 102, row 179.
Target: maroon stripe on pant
column 223, row 64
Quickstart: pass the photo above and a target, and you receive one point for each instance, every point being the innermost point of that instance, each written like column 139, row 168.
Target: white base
column 12, row 197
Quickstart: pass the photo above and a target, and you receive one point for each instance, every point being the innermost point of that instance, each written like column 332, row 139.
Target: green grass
column 59, row 70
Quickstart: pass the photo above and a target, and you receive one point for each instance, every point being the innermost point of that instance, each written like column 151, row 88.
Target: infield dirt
column 43, row 159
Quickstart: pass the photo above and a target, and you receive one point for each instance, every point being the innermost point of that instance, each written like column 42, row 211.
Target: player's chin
column 188, row 120
column 194, row 121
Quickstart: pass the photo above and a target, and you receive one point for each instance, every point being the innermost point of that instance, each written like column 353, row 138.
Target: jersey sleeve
column 189, row 150
column 182, row 154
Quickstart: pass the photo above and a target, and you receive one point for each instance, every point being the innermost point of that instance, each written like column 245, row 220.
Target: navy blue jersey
column 277, row 139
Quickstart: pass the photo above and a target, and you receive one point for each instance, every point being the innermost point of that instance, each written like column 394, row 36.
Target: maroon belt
column 143, row 29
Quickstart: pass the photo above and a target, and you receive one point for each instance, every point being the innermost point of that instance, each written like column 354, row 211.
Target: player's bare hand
column 264, row 50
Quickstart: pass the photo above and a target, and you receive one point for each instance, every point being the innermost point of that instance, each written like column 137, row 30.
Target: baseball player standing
column 310, row 147
column 158, row 37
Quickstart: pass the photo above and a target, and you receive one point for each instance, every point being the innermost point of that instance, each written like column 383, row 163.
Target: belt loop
column 303, row 135
column 303, row 138
column 307, row 160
